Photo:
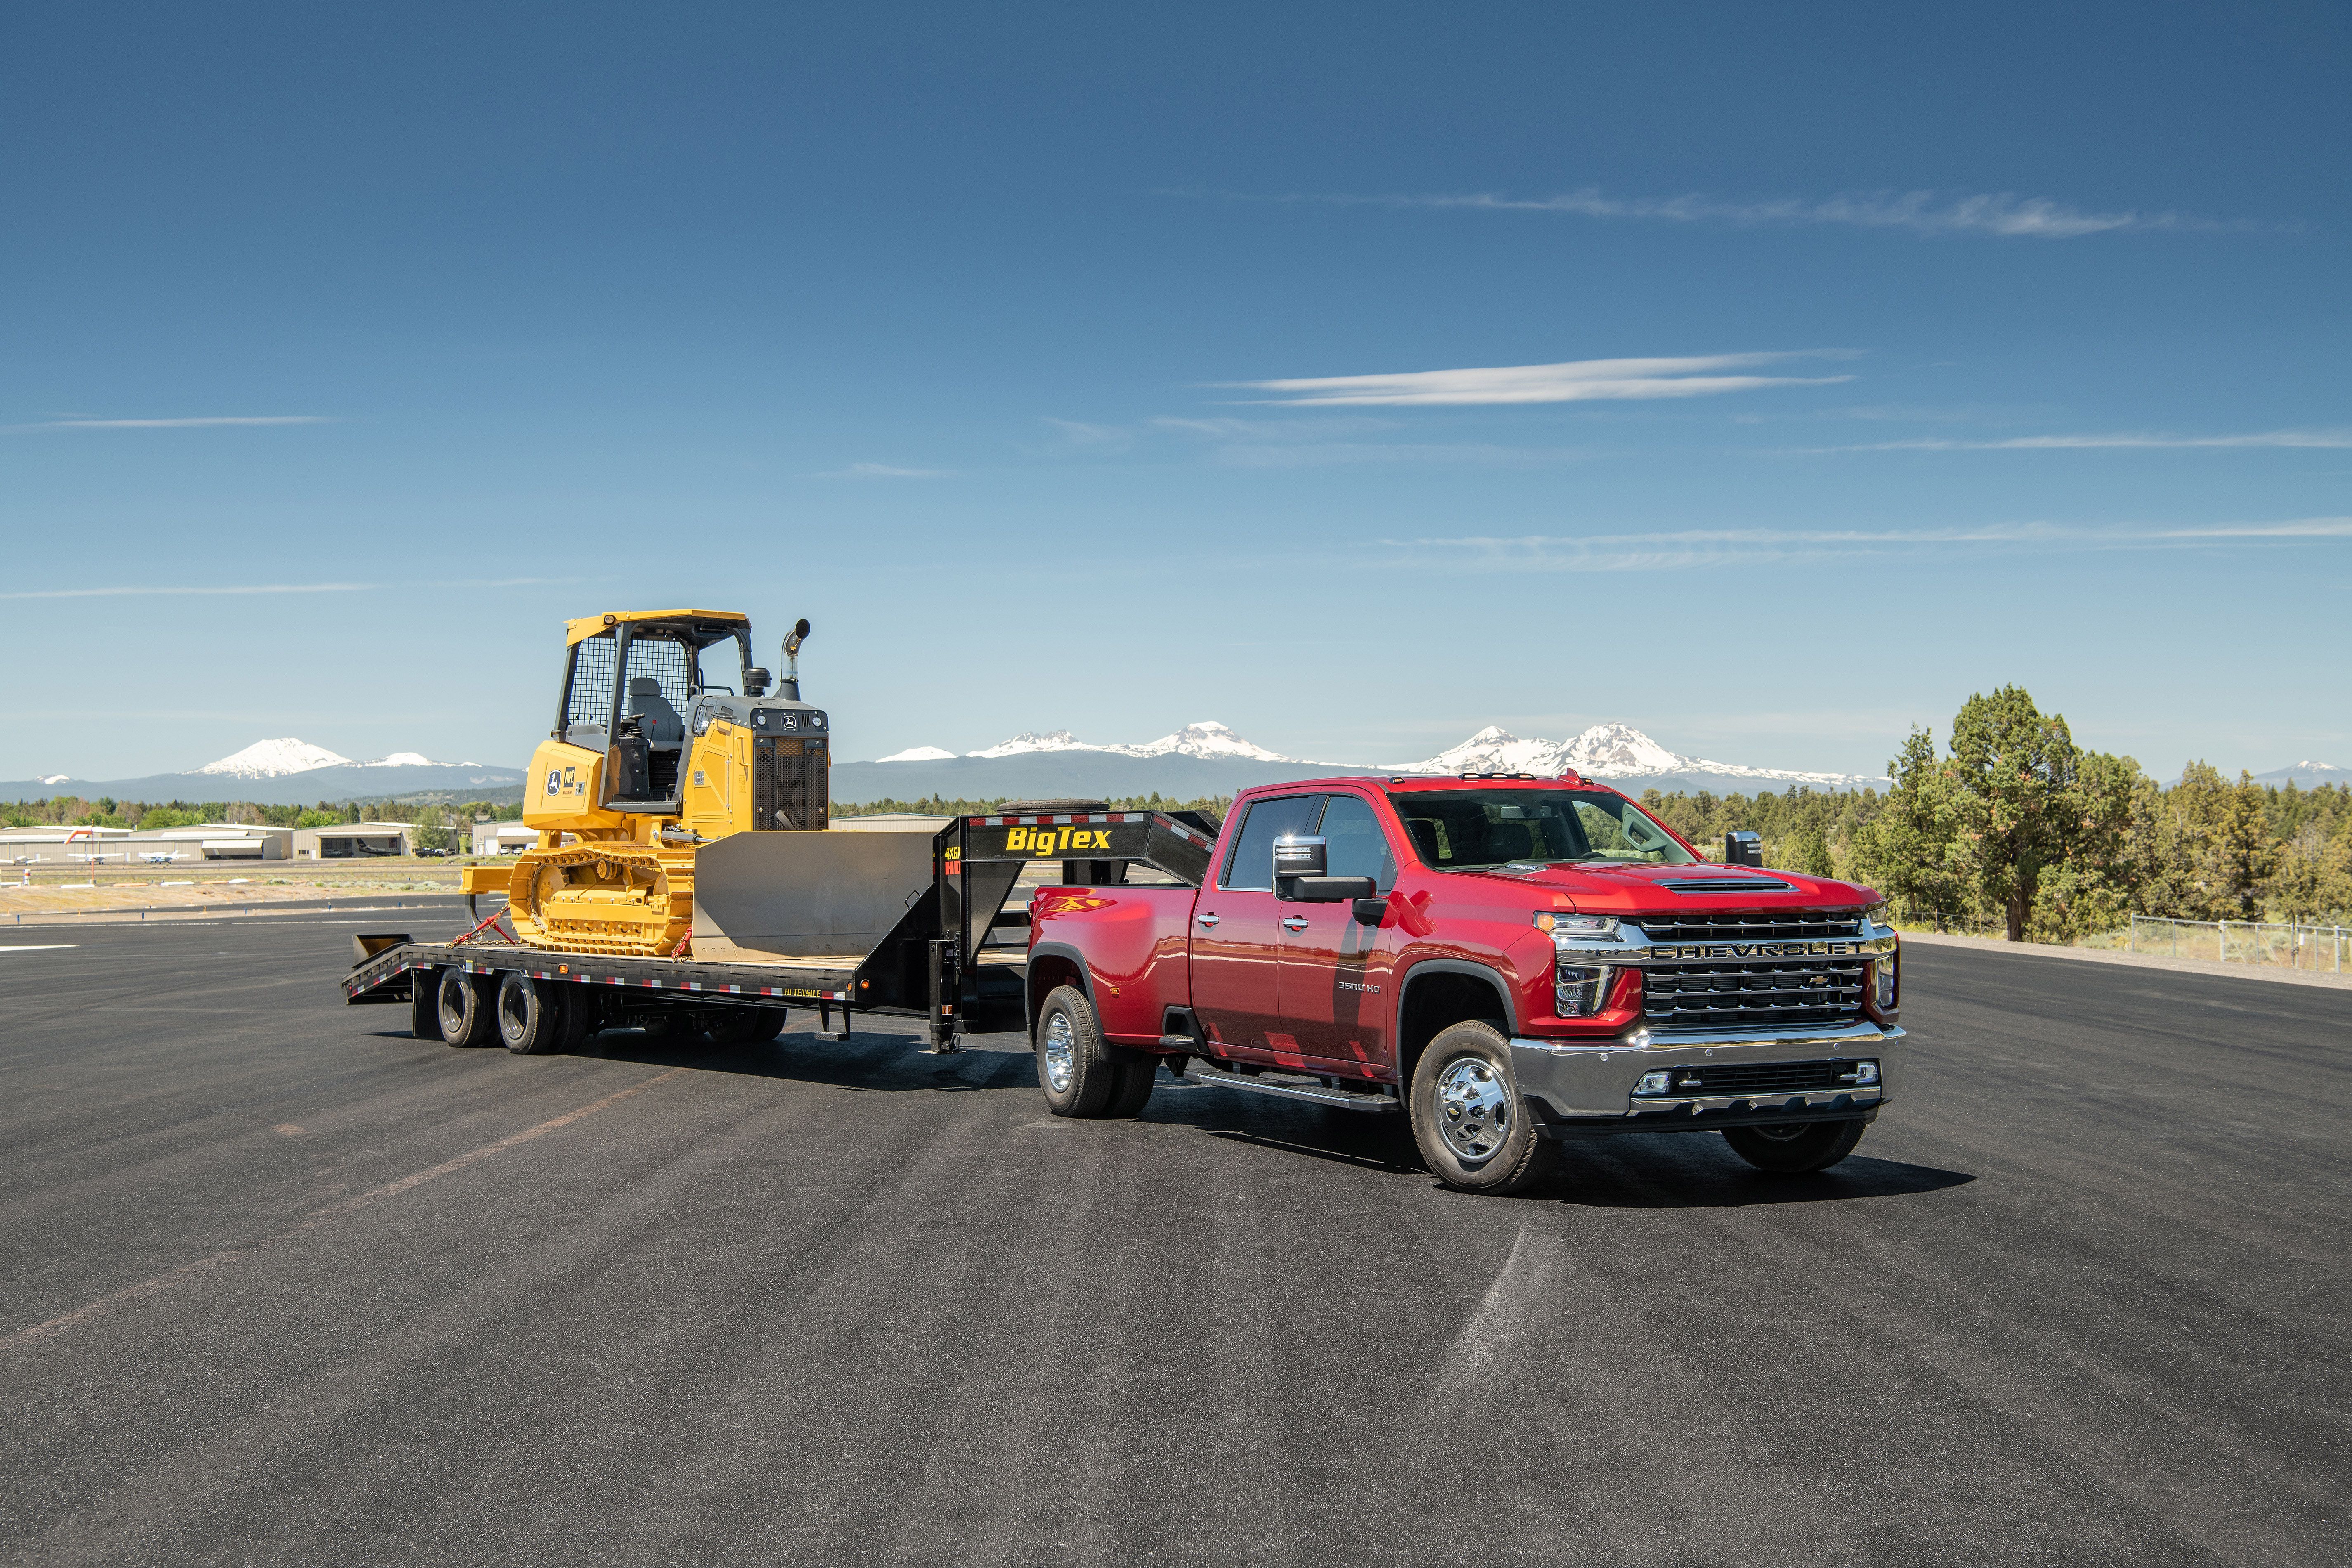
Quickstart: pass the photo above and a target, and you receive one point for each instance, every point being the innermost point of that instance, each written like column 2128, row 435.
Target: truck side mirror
column 1296, row 855
column 1743, row 849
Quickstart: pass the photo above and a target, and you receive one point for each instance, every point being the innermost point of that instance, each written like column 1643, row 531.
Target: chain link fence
column 2321, row 949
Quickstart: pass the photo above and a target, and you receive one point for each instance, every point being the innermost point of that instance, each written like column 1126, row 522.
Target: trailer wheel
column 746, row 1026
column 576, row 1013
column 1473, row 1128
column 530, row 1020
column 1793, row 1150
column 423, row 1003
column 468, row 1015
column 1077, row 1075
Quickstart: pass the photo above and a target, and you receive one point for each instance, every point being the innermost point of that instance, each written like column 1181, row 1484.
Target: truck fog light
column 1578, row 992
column 1654, row 1083
column 1865, row 1072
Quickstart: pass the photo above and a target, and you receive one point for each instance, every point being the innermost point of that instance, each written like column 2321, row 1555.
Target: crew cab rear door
column 1337, row 993
column 1237, row 933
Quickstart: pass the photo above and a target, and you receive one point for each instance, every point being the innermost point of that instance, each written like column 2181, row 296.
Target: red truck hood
column 1624, row 889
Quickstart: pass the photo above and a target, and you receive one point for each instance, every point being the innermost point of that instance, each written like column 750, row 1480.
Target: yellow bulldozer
column 666, row 740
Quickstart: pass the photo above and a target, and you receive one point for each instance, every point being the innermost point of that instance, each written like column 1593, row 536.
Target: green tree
column 1912, row 848
column 2015, row 770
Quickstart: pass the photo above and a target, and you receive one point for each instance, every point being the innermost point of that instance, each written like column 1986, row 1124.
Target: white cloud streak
column 205, row 422
column 2325, row 441
column 135, row 592
column 881, row 471
column 1688, row 549
column 1571, row 381
column 1926, row 212
column 238, row 590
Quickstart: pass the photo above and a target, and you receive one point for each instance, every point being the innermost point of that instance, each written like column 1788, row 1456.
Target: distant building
column 504, row 837
column 132, row 847
column 355, row 841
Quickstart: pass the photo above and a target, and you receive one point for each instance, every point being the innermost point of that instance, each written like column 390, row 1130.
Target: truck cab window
column 1356, row 846
column 1251, row 864
column 1474, row 830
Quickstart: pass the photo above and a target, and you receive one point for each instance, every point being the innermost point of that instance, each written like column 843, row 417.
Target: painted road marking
column 83, row 1314
column 37, row 946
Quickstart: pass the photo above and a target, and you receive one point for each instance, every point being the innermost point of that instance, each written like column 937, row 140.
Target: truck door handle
column 1294, row 922
column 1205, row 920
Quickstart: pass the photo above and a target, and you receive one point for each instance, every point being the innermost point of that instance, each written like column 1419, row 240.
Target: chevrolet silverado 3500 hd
column 1510, row 962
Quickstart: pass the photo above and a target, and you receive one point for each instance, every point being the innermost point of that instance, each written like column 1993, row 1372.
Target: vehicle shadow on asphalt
column 1704, row 1177
column 888, row 1063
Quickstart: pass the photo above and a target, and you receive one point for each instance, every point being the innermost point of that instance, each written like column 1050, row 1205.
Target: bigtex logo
column 1050, row 840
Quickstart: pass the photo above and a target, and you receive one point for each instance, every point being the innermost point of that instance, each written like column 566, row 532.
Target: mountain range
column 1203, row 758
column 1208, row 758
column 288, row 771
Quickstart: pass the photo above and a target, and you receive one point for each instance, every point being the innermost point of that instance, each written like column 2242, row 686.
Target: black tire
column 1078, row 1076
column 1135, row 1081
column 425, row 1003
column 746, row 1026
column 467, row 1016
column 1472, row 1127
column 1797, row 1148
column 575, row 1014
column 530, row 1018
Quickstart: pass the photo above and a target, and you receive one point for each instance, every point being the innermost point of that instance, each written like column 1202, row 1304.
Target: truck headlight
column 1884, row 982
column 1571, row 928
column 1879, row 914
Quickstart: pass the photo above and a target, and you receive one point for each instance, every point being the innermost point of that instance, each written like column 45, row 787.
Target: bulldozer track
column 624, row 900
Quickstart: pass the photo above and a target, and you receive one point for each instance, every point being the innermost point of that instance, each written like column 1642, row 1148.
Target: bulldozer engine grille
column 790, row 785
column 1752, row 994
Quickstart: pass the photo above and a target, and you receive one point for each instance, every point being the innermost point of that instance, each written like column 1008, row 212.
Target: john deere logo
column 554, row 780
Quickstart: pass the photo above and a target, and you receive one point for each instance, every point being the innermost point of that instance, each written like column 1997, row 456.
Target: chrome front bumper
column 1575, row 1079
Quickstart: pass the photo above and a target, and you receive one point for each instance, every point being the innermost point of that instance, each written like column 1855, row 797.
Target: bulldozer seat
column 662, row 724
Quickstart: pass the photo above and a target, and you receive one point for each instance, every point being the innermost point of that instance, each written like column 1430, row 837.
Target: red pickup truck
column 1508, row 962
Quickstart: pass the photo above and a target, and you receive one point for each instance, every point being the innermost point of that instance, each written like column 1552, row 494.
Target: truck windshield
column 1472, row 830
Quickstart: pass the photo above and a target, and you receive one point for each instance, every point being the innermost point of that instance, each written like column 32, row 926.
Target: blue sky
column 1113, row 371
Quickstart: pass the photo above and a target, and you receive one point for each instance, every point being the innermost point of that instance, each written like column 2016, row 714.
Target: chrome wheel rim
column 1061, row 1054
column 1474, row 1109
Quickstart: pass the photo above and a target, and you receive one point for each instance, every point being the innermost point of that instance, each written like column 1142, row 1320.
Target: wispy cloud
column 1094, row 437
column 194, row 424
column 1923, row 212
column 1684, row 549
column 881, row 471
column 2328, row 440
column 129, row 591
column 1571, row 381
column 138, row 591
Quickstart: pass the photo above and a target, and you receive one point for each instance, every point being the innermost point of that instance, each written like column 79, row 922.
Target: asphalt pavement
column 285, row 1286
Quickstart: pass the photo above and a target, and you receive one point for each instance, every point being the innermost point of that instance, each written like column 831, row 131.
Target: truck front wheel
column 1795, row 1149
column 1474, row 1130
column 1074, row 1069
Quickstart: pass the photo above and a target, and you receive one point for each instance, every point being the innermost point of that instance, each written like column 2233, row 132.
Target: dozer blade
column 807, row 895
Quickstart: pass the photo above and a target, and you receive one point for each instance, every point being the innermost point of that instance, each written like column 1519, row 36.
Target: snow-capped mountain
column 1206, row 739
column 1611, row 751
column 274, row 759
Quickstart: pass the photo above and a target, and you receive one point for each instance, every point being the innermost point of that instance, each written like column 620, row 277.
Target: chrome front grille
column 1752, row 925
column 1747, row 993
